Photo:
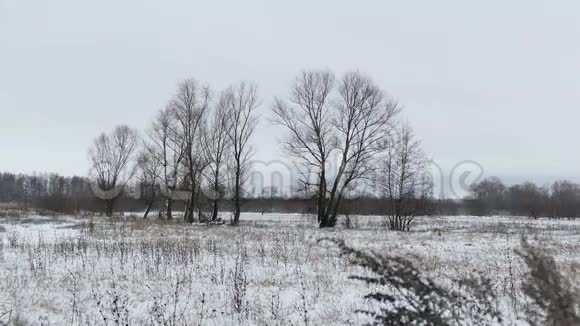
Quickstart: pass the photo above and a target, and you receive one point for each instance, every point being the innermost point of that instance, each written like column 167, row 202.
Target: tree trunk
column 321, row 195
column 189, row 212
column 237, row 209
column 216, row 191
column 330, row 215
column 149, row 205
column 236, row 216
column 329, row 219
column 109, row 203
column 325, row 221
column 237, row 204
column 168, row 204
column 215, row 212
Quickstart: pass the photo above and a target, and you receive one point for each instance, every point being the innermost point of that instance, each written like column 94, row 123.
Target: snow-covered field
column 271, row 270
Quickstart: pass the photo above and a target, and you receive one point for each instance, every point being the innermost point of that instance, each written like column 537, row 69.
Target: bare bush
column 113, row 306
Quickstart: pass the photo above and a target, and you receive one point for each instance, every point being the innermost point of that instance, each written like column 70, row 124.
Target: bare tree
column 403, row 180
column 363, row 122
column 216, row 147
column 111, row 156
column 354, row 125
column 242, row 123
column 308, row 118
column 189, row 106
column 148, row 174
column 168, row 151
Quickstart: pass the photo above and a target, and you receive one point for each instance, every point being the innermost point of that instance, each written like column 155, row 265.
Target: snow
column 269, row 270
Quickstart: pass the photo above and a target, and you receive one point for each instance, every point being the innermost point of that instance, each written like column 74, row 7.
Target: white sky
column 494, row 81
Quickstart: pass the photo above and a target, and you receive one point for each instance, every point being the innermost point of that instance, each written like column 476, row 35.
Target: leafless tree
column 111, row 157
column 148, row 174
column 354, row 125
column 168, row 151
column 242, row 123
column 189, row 106
column 216, row 147
column 363, row 122
column 403, row 179
column 311, row 138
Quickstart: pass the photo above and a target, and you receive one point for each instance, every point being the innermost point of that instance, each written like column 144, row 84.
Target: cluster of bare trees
column 201, row 144
column 351, row 124
column 195, row 144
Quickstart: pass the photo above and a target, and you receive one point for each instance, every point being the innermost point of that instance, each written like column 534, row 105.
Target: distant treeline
column 48, row 191
column 73, row 195
column 561, row 199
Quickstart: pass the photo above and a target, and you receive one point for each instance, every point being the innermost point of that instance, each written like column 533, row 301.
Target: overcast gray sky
column 493, row 81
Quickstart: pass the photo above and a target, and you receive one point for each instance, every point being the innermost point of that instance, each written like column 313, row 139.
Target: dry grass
column 554, row 299
column 269, row 270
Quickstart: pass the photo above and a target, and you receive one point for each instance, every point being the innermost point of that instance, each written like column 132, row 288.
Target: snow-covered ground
column 271, row 270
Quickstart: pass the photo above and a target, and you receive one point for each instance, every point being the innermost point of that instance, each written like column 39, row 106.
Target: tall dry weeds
column 554, row 300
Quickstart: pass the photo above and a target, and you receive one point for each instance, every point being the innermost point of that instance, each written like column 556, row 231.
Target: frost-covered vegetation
column 271, row 270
